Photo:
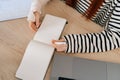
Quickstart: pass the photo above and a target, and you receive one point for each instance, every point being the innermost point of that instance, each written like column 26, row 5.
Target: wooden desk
column 15, row 36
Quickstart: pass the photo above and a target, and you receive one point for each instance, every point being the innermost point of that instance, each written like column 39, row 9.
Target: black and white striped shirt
column 108, row 16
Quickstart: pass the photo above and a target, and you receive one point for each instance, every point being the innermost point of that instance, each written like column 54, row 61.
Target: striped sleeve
column 97, row 42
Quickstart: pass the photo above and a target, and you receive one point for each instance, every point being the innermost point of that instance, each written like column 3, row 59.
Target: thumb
column 37, row 19
column 37, row 22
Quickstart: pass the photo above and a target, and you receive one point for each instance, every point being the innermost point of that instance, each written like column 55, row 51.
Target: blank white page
column 39, row 52
column 51, row 28
column 35, row 61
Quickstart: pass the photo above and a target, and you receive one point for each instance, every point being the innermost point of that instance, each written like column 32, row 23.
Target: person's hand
column 59, row 47
column 35, row 25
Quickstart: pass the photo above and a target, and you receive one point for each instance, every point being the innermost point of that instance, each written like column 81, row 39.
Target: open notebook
column 39, row 52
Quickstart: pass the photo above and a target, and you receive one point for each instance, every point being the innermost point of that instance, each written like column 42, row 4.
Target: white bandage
column 60, row 42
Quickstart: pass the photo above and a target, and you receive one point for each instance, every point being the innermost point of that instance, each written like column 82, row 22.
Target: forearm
column 36, row 6
column 91, row 42
column 97, row 42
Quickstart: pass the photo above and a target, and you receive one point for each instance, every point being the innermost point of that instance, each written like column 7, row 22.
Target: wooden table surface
column 15, row 36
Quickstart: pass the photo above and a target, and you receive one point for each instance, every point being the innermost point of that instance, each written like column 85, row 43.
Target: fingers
column 32, row 26
column 59, row 47
column 35, row 25
column 37, row 19
column 61, row 40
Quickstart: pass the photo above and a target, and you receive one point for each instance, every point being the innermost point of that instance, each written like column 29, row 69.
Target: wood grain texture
column 15, row 36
